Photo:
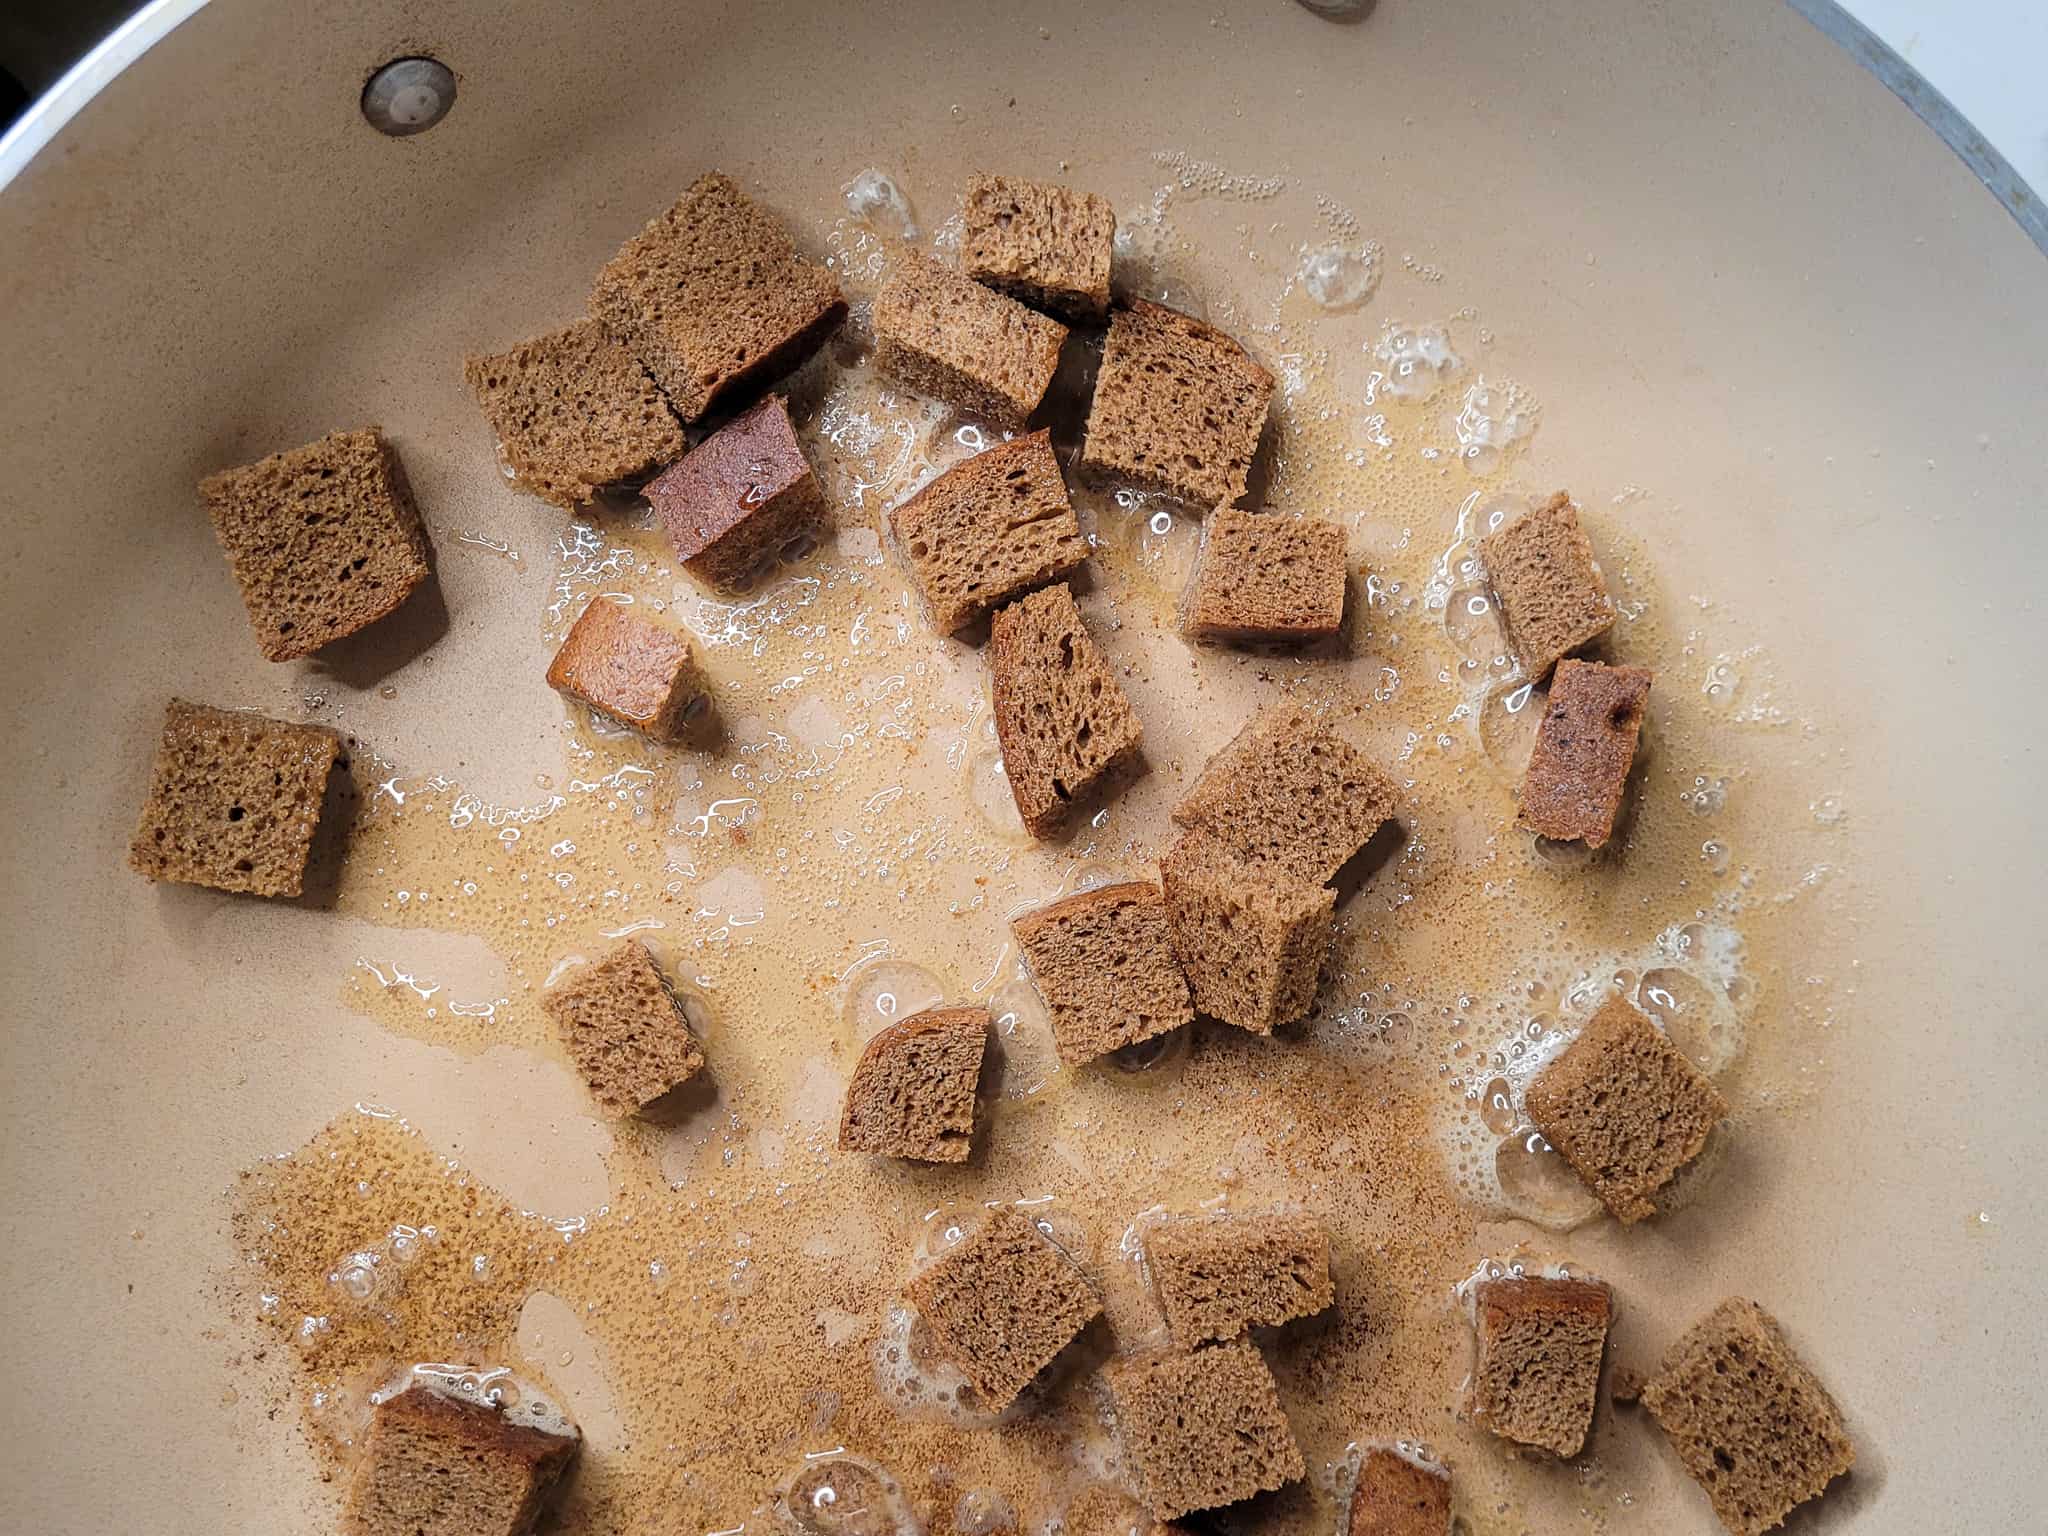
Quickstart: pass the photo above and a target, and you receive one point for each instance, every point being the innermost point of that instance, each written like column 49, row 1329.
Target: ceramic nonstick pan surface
column 1689, row 263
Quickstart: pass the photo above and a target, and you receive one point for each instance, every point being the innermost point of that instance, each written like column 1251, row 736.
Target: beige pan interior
column 1788, row 357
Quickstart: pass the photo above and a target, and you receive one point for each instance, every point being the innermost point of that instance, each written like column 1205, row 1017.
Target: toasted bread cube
column 1178, row 408
column 1063, row 723
column 988, row 530
column 1219, row 1275
column 1625, row 1108
column 438, row 1463
column 1398, row 1495
column 1751, row 1423
column 1043, row 244
column 713, row 298
column 1585, row 746
column 234, row 801
column 1538, row 1372
column 574, row 413
column 743, row 496
column 946, row 336
column 1251, row 938
column 624, row 1029
column 912, row 1092
column 1203, row 1429
column 637, row 671
column 1103, row 961
column 1001, row 1303
column 1553, row 599
column 1290, row 795
column 323, row 540
column 1265, row 576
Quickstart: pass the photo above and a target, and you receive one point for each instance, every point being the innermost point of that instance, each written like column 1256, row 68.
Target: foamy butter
column 739, row 1276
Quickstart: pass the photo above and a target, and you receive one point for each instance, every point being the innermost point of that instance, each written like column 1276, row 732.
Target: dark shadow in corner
column 364, row 659
column 339, row 807
column 682, row 1102
column 1380, row 850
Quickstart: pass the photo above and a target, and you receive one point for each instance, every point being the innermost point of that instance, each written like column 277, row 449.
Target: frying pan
column 1789, row 355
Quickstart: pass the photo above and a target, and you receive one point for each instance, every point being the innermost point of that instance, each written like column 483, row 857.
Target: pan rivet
column 409, row 96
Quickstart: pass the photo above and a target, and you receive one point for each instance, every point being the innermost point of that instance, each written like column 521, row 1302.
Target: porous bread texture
column 1201, row 1429
column 713, row 298
column 1265, row 577
column 438, row 1464
column 1044, row 244
column 912, row 1093
column 624, row 1029
column 1585, row 746
column 635, row 670
column 1103, row 961
column 1537, row 1376
column 323, row 540
column 989, row 530
column 234, row 800
column 574, row 413
column 947, row 336
column 1250, row 938
column 1553, row 599
column 1216, row 1276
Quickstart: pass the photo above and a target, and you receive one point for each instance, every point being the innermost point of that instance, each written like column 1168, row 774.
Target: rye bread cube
column 632, row 669
column 741, row 498
column 713, row 298
column 1000, row 1304
column 1251, row 938
column 1103, row 961
column 945, row 335
column 323, row 540
column 912, row 1093
column 989, row 530
column 624, row 1029
column 1585, row 746
column 1178, row 408
column 439, row 1463
column 1043, row 244
column 1063, row 723
column 1625, row 1108
column 1399, row 1495
column 1538, row 1372
column 1202, row 1429
column 1288, row 794
column 1216, row 1276
column 1265, row 577
column 1754, row 1427
column 574, row 412
column 1553, row 599
column 234, row 801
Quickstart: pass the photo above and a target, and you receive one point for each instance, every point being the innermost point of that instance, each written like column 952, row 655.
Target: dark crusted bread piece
column 989, row 529
column 574, row 412
column 1046, row 245
column 632, row 669
column 713, row 298
column 1553, row 599
column 1397, row 1496
column 437, row 1463
column 1251, row 939
column 1100, row 1511
column 947, row 336
column 624, row 1029
column 1752, row 1424
column 1103, row 961
column 1289, row 794
column 1538, row 1371
column 1219, row 1275
column 1203, row 1429
column 741, row 497
column 1265, row 576
column 1001, row 1303
column 1178, row 408
column 1625, row 1108
column 1578, row 772
column 912, row 1092
column 234, row 801
column 324, row 540
column 1061, row 719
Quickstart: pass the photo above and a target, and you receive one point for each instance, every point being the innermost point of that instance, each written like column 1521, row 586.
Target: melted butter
column 842, row 850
